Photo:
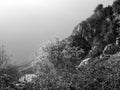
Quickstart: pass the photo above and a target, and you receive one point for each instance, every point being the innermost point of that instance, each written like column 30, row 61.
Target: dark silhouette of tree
column 99, row 8
column 116, row 7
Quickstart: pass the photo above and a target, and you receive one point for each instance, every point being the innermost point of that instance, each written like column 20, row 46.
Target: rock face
column 27, row 78
column 111, row 49
column 83, row 63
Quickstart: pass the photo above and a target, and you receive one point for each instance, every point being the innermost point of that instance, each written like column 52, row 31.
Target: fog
column 24, row 24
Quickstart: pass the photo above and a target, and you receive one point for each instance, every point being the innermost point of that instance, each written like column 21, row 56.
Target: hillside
column 89, row 59
column 96, row 38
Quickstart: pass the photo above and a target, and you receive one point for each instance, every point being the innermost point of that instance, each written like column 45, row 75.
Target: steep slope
column 97, row 31
column 93, row 48
column 89, row 39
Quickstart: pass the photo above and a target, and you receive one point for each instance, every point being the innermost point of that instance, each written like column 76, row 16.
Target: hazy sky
column 24, row 24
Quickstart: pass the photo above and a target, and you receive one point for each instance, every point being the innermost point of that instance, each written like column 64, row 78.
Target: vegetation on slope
column 58, row 63
column 89, row 40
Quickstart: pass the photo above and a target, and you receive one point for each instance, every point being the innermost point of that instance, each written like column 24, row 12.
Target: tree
column 3, row 57
column 116, row 7
column 99, row 8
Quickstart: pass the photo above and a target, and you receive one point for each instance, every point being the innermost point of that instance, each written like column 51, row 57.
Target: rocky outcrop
column 83, row 63
column 111, row 49
column 27, row 78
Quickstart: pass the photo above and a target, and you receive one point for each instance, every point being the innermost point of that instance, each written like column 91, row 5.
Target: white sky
column 24, row 24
